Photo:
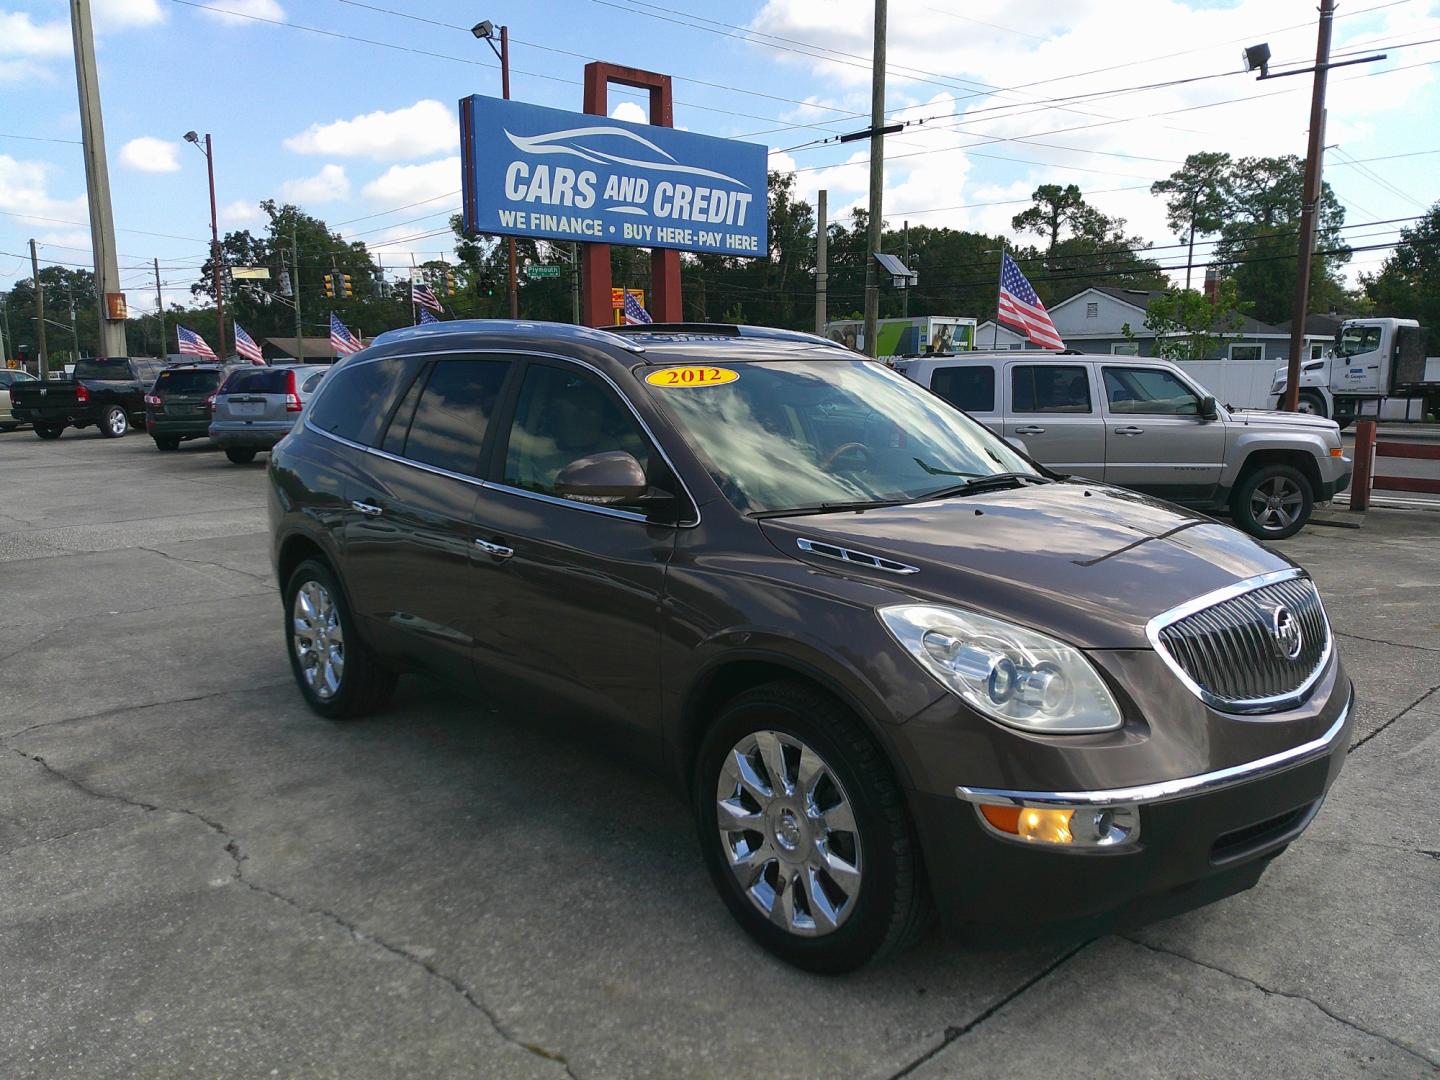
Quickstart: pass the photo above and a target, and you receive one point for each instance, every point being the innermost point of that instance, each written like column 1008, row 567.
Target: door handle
column 368, row 509
column 1130, row 430
column 498, row 551
column 1030, row 429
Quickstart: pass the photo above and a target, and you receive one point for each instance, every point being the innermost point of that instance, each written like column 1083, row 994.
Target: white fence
column 1245, row 384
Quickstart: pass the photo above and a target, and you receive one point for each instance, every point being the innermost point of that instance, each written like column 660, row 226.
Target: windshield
column 1353, row 340
column 791, row 434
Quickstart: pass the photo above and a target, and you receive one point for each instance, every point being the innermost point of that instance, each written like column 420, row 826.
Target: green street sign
column 542, row 271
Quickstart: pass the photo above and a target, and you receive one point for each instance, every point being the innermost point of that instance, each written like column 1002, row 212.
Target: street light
column 485, row 31
column 207, row 150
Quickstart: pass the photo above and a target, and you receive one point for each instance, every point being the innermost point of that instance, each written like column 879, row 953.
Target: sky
column 349, row 108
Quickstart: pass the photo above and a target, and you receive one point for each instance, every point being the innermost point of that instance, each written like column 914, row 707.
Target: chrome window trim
column 607, row 511
column 867, row 560
column 1168, row 790
column 1229, row 592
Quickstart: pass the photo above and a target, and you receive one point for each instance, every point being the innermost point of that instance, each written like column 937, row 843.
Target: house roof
column 1140, row 299
column 312, row 347
column 1316, row 325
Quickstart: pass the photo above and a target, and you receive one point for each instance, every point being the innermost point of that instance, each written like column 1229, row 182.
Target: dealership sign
column 538, row 172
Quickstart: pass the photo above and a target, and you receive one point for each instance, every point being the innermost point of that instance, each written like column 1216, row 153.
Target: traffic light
column 450, row 282
column 349, row 291
column 484, row 286
column 330, row 285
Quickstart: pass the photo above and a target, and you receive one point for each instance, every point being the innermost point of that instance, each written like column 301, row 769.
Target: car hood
column 1088, row 563
column 1287, row 420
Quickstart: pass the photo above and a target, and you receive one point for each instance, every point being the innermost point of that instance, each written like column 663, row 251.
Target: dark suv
column 177, row 407
column 891, row 660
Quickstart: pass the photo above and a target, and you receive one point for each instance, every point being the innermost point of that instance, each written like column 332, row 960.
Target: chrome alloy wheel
column 1276, row 503
column 319, row 639
column 788, row 833
column 117, row 422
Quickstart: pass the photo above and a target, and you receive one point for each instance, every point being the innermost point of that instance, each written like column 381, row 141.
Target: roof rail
column 719, row 330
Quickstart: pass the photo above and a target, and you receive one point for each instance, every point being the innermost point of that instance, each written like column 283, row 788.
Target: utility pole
column 905, row 293
column 1310, row 207
column 97, row 179
column 215, row 260
column 877, row 180
column 1190, row 251
column 822, row 244
column 295, row 290
column 160, row 311
column 575, row 283
column 74, row 329
column 4, row 334
column 44, row 370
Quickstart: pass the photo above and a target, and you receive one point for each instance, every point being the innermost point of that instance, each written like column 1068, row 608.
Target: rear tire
column 240, row 455
column 114, row 422
column 339, row 676
column 49, row 431
column 1273, row 502
column 776, row 879
column 8, row 427
column 166, row 443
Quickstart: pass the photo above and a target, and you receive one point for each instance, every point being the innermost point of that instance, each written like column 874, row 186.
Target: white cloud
column 241, row 214
column 70, row 239
column 425, row 128
column 20, row 36
column 233, row 12
column 149, row 154
column 631, row 112
column 24, row 191
column 24, row 70
column 403, row 184
column 122, row 14
column 330, row 184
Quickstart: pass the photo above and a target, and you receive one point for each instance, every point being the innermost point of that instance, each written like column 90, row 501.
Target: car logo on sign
column 1286, row 635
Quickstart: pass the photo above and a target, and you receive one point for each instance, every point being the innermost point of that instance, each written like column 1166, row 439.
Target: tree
column 71, row 317
column 1188, row 325
column 1096, row 250
column 1252, row 207
column 1055, row 209
column 1408, row 284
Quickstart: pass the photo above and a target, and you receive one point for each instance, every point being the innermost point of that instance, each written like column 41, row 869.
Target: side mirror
column 1208, row 411
column 613, row 478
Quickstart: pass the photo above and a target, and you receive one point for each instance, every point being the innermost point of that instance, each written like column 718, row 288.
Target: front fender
column 1248, row 443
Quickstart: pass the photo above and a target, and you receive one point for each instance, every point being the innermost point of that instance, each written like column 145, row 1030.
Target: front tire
column 337, row 673
column 49, row 431
column 1310, row 405
column 1273, row 502
column 114, row 423
column 805, row 831
column 240, row 455
column 8, row 427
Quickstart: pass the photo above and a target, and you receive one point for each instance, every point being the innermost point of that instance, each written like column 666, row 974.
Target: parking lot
column 202, row 877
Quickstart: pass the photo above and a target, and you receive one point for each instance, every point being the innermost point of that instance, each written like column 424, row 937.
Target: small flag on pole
column 1021, row 308
column 634, row 313
column 341, row 339
column 246, row 347
column 192, row 344
column 427, row 317
column 422, row 295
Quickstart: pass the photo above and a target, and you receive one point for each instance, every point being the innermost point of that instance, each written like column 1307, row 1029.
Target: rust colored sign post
column 595, row 258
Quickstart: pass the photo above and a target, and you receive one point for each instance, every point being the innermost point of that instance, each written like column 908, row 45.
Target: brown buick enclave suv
column 893, row 663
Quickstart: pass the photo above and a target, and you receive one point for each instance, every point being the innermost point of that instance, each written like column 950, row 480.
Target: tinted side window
column 357, row 399
column 971, row 388
column 453, row 412
column 563, row 415
column 399, row 428
column 1049, row 388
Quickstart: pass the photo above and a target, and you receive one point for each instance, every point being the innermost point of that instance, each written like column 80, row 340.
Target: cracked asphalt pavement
column 200, row 877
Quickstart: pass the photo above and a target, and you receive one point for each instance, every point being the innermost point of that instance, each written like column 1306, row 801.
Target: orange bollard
column 1364, row 465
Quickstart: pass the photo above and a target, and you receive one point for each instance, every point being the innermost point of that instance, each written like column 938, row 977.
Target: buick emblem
column 1285, row 633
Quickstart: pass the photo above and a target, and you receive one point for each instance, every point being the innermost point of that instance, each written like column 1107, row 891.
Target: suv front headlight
column 1022, row 678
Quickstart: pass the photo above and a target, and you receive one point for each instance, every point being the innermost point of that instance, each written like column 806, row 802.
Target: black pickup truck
column 107, row 391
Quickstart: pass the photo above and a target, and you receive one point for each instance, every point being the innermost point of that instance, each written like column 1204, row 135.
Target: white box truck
column 919, row 336
column 1377, row 367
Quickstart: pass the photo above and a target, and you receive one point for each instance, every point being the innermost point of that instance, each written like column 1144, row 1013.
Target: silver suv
column 1144, row 424
column 256, row 407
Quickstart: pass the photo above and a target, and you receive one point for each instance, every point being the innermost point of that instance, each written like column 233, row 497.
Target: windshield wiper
column 986, row 483
column 829, row 508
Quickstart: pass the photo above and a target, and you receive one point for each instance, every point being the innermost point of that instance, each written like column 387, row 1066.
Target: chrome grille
column 1227, row 649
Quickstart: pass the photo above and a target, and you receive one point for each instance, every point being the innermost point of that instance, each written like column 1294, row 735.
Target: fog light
column 1071, row 827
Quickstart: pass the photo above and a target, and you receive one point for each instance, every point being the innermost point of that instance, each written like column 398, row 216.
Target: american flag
column 1021, row 308
column 426, row 317
column 421, row 294
column 246, row 347
column 341, row 339
column 192, row 344
column 634, row 313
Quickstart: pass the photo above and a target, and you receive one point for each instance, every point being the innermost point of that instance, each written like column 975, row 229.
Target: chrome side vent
column 856, row 558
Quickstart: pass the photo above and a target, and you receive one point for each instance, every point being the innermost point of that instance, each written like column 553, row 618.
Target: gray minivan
column 257, row 406
column 1142, row 423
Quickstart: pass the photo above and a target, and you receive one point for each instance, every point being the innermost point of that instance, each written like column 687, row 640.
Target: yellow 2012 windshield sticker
column 687, row 377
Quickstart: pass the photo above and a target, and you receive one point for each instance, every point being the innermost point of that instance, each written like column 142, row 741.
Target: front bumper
column 1200, row 837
